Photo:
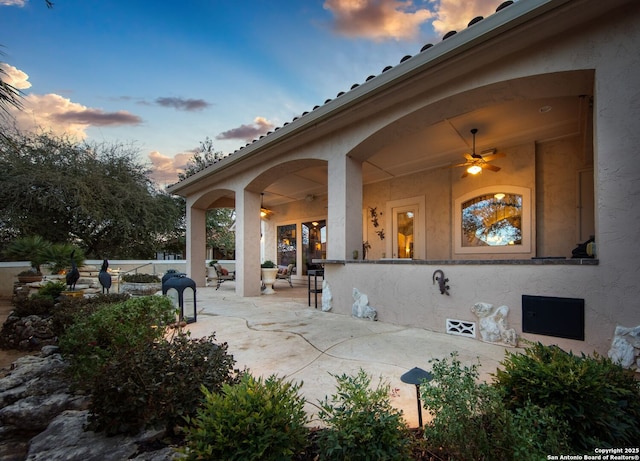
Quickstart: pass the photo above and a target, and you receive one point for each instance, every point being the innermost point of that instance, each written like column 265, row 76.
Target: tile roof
column 356, row 85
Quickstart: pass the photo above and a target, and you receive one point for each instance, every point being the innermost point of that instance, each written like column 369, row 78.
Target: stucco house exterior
column 553, row 89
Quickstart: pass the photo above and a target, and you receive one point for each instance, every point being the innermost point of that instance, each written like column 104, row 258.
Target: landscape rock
column 41, row 419
column 66, row 439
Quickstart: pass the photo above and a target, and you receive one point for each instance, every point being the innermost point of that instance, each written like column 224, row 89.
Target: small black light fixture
column 417, row 376
column 175, row 287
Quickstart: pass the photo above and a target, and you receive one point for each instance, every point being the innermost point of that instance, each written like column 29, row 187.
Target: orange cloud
column 164, row 170
column 456, row 14
column 15, row 77
column 60, row 115
column 377, row 19
column 248, row 132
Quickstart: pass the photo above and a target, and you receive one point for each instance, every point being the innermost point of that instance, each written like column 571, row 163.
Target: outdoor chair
column 285, row 273
column 223, row 275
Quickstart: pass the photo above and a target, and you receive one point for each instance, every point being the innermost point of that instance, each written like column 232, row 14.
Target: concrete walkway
column 279, row 334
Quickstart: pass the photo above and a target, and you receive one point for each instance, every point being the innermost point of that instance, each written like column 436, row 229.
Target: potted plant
column 269, row 271
column 32, row 249
column 140, row 284
column 211, row 269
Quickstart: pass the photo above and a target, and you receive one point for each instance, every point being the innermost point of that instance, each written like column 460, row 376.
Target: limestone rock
column 625, row 347
column 361, row 308
column 327, row 297
column 65, row 439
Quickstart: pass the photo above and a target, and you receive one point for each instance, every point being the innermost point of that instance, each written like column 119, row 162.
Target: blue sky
column 166, row 75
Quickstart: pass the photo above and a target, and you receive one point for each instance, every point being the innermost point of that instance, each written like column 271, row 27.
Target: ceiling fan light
column 474, row 169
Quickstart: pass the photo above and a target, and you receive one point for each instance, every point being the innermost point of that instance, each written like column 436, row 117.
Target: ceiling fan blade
column 488, row 166
column 469, row 157
column 464, row 175
column 459, row 164
column 489, row 158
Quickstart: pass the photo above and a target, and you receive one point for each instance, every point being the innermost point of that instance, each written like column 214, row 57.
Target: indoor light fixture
column 499, row 196
column 474, row 169
column 263, row 211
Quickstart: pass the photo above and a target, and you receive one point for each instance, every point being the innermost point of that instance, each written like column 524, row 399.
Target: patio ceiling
column 445, row 142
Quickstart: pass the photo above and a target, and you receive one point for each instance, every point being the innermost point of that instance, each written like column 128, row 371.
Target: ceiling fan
column 477, row 162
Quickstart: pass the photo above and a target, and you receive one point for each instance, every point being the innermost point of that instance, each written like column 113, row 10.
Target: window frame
column 524, row 248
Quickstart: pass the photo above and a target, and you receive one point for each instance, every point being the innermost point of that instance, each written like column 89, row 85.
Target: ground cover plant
column 255, row 419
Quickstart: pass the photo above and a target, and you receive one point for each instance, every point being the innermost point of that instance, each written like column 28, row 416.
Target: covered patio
column 549, row 87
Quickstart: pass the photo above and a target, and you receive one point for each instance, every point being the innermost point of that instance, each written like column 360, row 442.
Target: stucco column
column 196, row 244
column 344, row 216
column 247, row 243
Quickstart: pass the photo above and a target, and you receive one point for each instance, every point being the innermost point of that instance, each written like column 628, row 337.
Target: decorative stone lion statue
column 361, row 308
column 493, row 324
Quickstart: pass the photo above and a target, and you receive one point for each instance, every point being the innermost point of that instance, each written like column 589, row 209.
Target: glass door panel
column 314, row 244
column 403, row 232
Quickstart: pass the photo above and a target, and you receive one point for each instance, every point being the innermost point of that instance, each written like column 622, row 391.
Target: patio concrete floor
column 279, row 334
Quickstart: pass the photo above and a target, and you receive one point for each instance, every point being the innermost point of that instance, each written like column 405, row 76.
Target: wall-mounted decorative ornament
column 438, row 276
column 380, row 234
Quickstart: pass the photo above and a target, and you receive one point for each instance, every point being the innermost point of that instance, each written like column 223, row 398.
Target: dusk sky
column 166, row 75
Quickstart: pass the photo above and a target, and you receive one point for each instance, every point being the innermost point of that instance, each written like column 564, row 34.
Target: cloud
column 60, row 115
column 183, row 104
column 456, row 14
column 14, row 77
column 19, row 3
column 164, row 170
column 377, row 19
column 248, row 132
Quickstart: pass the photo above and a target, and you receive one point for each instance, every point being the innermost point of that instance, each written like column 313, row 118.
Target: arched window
column 494, row 219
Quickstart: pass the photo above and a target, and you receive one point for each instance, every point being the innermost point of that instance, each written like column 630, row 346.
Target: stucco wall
column 405, row 294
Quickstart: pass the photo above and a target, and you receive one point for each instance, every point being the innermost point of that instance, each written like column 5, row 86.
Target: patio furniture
column 284, row 273
column 223, row 275
column 314, row 288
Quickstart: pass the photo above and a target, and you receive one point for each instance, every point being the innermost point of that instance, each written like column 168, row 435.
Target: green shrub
column 471, row 421
column 268, row 264
column 34, row 305
column 92, row 341
column 157, row 385
column 68, row 310
column 52, row 289
column 598, row 399
column 255, row 419
column 140, row 278
column 362, row 424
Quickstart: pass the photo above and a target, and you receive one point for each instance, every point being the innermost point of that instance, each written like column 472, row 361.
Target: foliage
column 268, row 264
column 58, row 255
column 220, row 234
column 52, row 289
column 471, row 421
column 598, row 399
column 97, row 196
column 158, row 384
column 93, row 341
column 69, row 310
column 29, row 248
column 140, row 278
column 362, row 424
column 213, row 262
column 255, row 419
column 204, row 156
column 33, row 305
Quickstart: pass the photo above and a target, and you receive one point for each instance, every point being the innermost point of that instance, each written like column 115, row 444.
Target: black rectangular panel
column 550, row 316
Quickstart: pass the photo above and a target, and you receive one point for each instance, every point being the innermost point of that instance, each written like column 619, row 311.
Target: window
column 287, row 245
column 407, row 228
column 314, row 243
column 494, row 219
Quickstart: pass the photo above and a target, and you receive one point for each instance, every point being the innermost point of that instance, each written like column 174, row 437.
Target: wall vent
column 461, row 328
column 551, row 316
